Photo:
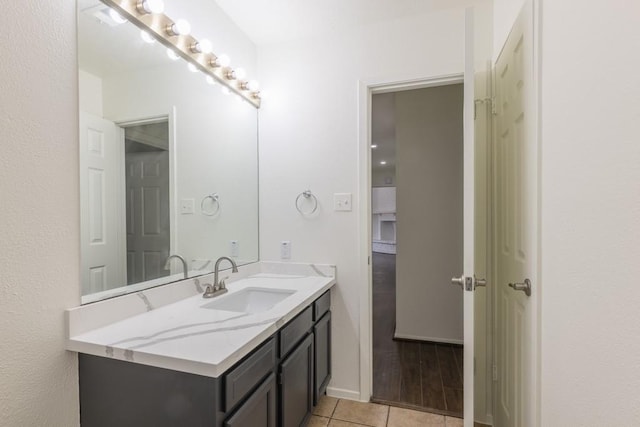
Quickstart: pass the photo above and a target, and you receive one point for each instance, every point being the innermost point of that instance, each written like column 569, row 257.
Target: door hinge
column 369, row 260
column 494, row 373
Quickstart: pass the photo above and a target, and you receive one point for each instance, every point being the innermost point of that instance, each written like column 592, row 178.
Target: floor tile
column 326, row 406
column 454, row 422
column 339, row 423
column 454, row 398
column 370, row 414
column 432, row 392
column 399, row 417
column 316, row 421
column 410, row 384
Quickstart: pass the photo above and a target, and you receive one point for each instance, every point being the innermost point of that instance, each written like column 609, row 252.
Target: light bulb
column 223, row 60
column 253, row 85
column 240, row 73
column 383, row 162
column 374, row 145
column 225, row 90
column 147, row 37
column 179, row 28
column 192, row 68
column 210, row 80
column 205, row 46
column 117, row 18
column 151, row 6
column 172, row 54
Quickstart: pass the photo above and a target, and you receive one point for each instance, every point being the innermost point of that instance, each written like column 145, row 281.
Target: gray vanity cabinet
column 259, row 410
column 275, row 385
column 296, row 385
column 322, row 346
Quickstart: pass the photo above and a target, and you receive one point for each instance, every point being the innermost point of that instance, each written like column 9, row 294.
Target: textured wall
column 590, row 213
column 39, row 272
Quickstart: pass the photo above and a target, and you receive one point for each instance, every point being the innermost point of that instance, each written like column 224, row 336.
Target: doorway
column 417, row 242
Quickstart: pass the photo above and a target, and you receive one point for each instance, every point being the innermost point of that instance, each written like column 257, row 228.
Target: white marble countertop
column 186, row 337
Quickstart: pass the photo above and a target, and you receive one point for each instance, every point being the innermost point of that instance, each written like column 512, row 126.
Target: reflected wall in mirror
column 168, row 163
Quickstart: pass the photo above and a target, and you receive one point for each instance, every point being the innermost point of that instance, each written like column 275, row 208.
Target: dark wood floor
column 419, row 375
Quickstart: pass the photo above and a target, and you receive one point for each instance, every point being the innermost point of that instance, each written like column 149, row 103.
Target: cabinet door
column 296, row 385
column 259, row 410
column 322, row 341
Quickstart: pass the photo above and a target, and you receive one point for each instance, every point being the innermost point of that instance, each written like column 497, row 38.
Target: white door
column 515, row 189
column 148, row 228
column 102, row 242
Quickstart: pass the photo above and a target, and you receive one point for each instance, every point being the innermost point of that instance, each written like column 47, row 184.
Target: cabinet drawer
column 321, row 306
column 295, row 330
column 244, row 377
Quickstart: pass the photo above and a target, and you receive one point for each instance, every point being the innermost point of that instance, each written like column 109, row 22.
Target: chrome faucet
column 219, row 287
column 167, row 264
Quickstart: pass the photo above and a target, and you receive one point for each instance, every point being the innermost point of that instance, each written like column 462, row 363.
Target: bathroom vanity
column 259, row 355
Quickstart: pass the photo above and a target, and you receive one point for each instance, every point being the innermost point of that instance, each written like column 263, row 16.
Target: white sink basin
column 249, row 300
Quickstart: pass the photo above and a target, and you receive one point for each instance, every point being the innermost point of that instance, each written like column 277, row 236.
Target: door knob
column 524, row 287
column 458, row 281
column 481, row 282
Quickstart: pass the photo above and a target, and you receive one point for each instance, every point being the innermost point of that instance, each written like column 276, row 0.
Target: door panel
column 148, row 228
column 102, row 242
column 515, row 209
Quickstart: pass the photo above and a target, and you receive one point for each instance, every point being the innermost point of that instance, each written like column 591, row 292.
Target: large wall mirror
column 168, row 163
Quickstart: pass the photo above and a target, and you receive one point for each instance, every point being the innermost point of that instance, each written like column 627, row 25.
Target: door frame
column 367, row 88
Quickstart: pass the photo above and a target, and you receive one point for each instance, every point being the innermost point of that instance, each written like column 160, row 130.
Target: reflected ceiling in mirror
column 168, row 163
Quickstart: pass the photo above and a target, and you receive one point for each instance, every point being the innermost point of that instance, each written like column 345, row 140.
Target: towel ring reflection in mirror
column 214, row 204
column 308, row 196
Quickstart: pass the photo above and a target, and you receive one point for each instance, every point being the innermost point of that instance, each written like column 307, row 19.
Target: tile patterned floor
column 332, row 412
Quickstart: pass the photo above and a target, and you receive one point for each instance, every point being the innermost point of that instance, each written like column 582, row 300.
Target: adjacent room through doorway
column 417, row 241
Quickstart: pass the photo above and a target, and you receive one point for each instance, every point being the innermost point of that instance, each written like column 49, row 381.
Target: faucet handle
column 223, row 285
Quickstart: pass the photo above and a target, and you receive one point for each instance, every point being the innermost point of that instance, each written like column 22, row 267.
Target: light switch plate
column 234, row 248
column 285, row 249
column 342, row 202
column 187, row 206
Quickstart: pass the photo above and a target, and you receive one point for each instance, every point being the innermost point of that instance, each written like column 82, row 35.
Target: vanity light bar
column 186, row 46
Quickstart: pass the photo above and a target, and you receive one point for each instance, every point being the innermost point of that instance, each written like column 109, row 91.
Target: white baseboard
column 342, row 393
column 432, row 339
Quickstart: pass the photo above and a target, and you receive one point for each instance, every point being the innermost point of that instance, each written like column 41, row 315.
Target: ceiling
column 383, row 132
column 293, row 19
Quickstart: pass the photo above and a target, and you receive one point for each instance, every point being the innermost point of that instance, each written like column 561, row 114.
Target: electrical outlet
column 342, row 202
column 234, row 248
column 187, row 206
column 285, row 249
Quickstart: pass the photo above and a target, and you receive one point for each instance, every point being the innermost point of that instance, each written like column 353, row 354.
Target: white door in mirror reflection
column 147, row 178
column 102, row 241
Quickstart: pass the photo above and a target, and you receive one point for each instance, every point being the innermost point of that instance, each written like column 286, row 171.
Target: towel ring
column 215, row 199
column 308, row 195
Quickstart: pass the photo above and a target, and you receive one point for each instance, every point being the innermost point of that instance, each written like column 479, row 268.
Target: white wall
column 504, row 14
column 590, row 213
column 215, row 152
column 308, row 139
column 39, row 213
column 90, row 93
column 429, row 220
